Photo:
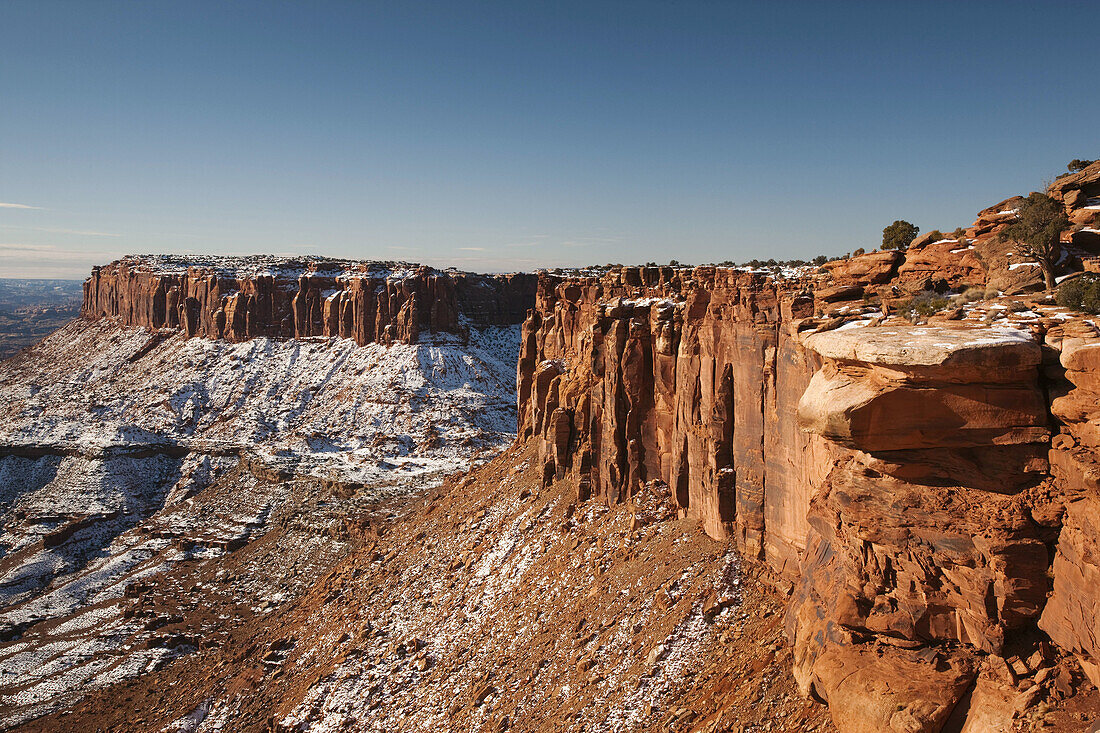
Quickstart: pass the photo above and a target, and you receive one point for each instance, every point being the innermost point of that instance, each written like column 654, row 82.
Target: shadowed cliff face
column 896, row 479
column 691, row 379
column 242, row 298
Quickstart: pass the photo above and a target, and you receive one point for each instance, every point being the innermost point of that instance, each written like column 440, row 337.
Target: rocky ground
column 492, row 604
column 133, row 461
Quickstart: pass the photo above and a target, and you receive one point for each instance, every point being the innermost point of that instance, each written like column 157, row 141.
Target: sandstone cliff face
column 242, row 298
column 688, row 378
column 1072, row 616
column 917, row 539
column 896, row 479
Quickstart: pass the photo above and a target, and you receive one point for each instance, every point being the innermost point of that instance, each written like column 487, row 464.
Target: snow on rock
column 127, row 456
column 324, row 406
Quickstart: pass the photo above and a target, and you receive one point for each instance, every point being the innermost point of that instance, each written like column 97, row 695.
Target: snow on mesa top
column 964, row 345
column 273, row 266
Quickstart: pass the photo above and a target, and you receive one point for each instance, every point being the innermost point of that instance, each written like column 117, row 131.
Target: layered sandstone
column 917, row 538
column 1072, row 616
column 1079, row 192
column 896, row 478
column 978, row 256
column 242, row 298
column 689, row 377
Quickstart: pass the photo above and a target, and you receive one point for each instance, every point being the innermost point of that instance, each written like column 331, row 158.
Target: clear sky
column 512, row 135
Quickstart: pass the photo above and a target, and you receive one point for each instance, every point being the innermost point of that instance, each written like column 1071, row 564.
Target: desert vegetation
column 1038, row 231
column 1081, row 293
column 899, row 235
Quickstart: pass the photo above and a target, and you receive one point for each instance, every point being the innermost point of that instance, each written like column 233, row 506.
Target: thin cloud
column 18, row 206
column 472, row 249
column 14, row 250
column 10, row 250
column 590, row 241
column 78, row 232
column 19, row 259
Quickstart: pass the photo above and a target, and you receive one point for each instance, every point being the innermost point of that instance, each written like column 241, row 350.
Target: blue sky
column 499, row 136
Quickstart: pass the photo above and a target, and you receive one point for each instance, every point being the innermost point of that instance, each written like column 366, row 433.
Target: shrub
column 935, row 235
column 899, row 235
column 859, row 252
column 923, row 304
column 959, row 234
column 1077, row 164
column 1081, row 293
column 971, row 295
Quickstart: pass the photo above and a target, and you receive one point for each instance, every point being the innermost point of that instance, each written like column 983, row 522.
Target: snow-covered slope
column 358, row 413
column 128, row 455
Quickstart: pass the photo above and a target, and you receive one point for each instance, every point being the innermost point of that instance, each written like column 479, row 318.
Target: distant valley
column 32, row 309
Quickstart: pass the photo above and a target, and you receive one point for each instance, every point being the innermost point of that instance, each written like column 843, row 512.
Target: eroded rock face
column 872, row 268
column 1072, row 615
column 913, row 564
column 242, row 298
column 687, row 377
column 916, row 536
column 886, row 473
column 1074, row 189
column 954, row 261
column 974, row 257
column 870, row 690
column 907, row 388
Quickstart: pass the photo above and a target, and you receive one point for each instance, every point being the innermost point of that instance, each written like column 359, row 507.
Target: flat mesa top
column 929, row 345
column 271, row 265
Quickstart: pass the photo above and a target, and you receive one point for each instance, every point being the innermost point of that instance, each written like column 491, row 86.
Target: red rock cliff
column 898, row 480
column 689, row 378
column 242, row 298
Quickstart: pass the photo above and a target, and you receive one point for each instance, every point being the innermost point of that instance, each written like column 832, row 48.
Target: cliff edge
column 240, row 298
column 898, row 480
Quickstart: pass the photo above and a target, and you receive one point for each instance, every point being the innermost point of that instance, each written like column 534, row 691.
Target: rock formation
column 924, row 494
column 242, row 298
column 688, row 378
column 896, row 479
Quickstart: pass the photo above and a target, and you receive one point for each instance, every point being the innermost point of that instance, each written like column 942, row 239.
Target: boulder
column 873, row 268
column 952, row 260
column 881, row 689
column 950, row 353
column 1074, row 189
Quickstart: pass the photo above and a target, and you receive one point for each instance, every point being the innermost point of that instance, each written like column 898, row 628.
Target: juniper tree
column 1038, row 232
column 899, row 235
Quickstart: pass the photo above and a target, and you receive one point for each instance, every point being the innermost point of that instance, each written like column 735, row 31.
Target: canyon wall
column 237, row 299
column 689, row 378
column 899, row 482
